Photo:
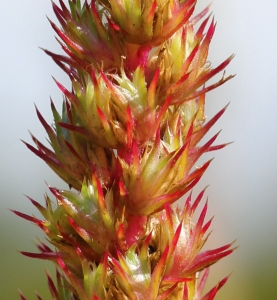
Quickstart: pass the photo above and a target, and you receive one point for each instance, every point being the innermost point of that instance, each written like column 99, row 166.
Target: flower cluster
column 126, row 143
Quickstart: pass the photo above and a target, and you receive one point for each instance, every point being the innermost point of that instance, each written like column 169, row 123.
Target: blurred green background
column 242, row 178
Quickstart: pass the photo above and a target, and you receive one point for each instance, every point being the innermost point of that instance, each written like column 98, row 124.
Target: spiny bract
column 127, row 141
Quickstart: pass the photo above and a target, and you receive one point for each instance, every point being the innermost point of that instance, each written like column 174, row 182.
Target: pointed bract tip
column 21, row 295
column 38, row 296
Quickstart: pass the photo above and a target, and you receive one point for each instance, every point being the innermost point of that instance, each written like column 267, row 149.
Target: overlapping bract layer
column 127, row 141
column 150, row 115
column 93, row 252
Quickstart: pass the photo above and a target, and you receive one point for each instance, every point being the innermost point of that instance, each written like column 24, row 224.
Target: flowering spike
column 127, row 142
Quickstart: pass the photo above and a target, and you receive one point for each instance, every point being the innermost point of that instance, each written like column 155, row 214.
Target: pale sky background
column 242, row 178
